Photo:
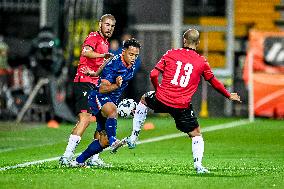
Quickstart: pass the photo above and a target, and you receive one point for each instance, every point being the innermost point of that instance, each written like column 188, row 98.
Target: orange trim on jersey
column 122, row 59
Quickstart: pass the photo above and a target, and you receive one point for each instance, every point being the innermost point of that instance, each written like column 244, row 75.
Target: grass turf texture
column 248, row 156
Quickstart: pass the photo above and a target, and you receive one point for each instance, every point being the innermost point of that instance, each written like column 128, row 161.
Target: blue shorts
column 96, row 102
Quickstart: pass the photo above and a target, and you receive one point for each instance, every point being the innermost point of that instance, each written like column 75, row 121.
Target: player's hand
column 87, row 71
column 119, row 81
column 108, row 55
column 235, row 97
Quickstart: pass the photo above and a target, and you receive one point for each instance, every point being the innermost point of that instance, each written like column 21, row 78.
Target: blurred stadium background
column 30, row 90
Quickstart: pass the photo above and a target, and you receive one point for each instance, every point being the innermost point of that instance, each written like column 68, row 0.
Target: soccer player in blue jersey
column 113, row 81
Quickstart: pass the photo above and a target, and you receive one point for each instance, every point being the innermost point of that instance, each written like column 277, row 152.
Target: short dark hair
column 131, row 42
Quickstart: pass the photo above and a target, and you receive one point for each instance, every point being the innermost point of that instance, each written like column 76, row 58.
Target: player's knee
column 109, row 110
column 195, row 132
column 96, row 135
column 83, row 123
column 142, row 100
column 85, row 118
column 113, row 114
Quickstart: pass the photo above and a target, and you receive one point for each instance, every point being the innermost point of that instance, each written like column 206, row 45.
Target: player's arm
column 107, row 87
column 89, row 72
column 154, row 75
column 159, row 68
column 89, row 52
column 217, row 85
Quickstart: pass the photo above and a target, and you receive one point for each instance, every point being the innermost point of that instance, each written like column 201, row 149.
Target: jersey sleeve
column 91, row 41
column 207, row 72
column 216, row 84
column 161, row 64
column 109, row 72
column 154, row 77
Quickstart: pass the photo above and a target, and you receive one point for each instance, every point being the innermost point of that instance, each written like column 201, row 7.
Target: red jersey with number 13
column 181, row 70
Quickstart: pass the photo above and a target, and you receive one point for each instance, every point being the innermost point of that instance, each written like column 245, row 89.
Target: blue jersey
column 111, row 71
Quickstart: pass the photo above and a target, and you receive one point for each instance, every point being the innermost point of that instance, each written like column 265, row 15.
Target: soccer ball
column 126, row 108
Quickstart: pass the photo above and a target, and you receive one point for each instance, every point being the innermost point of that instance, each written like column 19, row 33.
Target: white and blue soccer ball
column 126, row 108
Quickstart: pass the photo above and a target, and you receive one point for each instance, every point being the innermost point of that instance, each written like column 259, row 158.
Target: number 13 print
column 184, row 79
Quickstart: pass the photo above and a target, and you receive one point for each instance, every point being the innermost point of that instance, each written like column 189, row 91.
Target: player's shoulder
column 198, row 56
column 116, row 57
column 93, row 35
column 203, row 58
column 114, row 62
column 179, row 51
column 173, row 51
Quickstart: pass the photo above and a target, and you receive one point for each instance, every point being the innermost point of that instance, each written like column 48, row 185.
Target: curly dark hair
column 131, row 42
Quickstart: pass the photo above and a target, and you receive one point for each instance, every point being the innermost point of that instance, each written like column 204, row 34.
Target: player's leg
column 97, row 105
column 75, row 137
column 96, row 146
column 187, row 123
column 148, row 100
column 82, row 124
column 197, row 150
column 95, row 160
column 109, row 110
column 84, row 118
column 137, row 122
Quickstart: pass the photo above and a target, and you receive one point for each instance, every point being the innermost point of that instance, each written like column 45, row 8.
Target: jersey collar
column 105, row 39
column 189, row 48
column 124, row 63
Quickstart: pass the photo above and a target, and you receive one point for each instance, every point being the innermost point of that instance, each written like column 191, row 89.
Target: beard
column 105, row 34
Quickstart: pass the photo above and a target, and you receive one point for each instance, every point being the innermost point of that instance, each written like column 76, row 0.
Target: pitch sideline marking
column 155, row 139
column 30, row 146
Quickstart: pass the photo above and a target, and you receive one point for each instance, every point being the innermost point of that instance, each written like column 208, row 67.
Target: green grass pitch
column 246, row 156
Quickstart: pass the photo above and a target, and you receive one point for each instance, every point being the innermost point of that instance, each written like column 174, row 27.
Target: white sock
column 138, row 120
column 73, row 142
column 94, row 157
column 197, row 150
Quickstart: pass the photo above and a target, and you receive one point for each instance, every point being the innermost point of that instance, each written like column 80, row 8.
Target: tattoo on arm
column 107, row 87
column 99, row 71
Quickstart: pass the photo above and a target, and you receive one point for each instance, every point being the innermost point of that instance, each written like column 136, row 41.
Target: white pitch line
column 207, row 129
column 29, row 146
column 155, row 139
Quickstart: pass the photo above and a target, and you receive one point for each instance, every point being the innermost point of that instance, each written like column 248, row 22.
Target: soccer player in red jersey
column 94, row 56
column 181, row 70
